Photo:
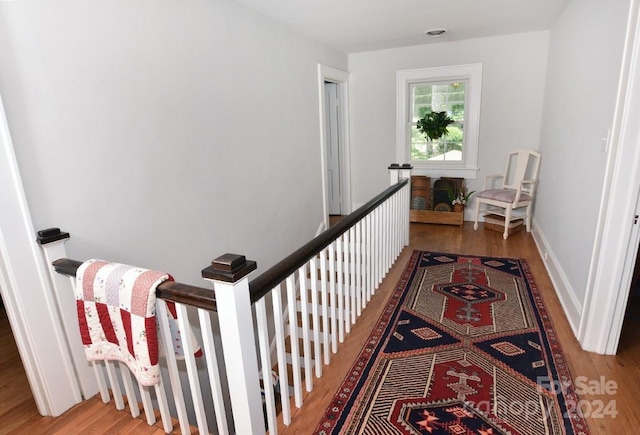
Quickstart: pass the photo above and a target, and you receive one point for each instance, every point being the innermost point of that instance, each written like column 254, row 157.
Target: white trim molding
column 565, row 292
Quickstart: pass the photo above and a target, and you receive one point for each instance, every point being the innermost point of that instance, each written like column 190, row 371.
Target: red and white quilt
column 116, row 306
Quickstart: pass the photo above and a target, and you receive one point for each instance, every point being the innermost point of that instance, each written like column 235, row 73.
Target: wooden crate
column 420, row 192
column 420, row 182
column 437, row 217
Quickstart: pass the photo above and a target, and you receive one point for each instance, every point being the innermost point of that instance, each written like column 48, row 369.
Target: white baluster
column 306, row 340
column 102, row 384
column 325, row 306
column 125, row 374
column 147, row 404
column 265, row 360
column 340, row 277
column 367, row 256
column 293, row 340
column 163, row 406
column 213, row 369
column 192, row 370
column 380, row 240
column 315, row 319
column 352, row 274
column 359, row 302
column 115, row 385
column 346, row 277
column 332, row 298
column 172, row 365
column 281, row 353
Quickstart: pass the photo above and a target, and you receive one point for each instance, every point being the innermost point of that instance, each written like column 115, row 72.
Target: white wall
column 164, row 133
column 513, row 83
column 585, row 57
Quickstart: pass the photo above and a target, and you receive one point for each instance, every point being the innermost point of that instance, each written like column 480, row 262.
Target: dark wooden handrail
column 168, row 290
column 264, row 283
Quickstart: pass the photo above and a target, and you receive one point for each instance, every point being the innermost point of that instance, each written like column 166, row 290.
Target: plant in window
column 434, row 124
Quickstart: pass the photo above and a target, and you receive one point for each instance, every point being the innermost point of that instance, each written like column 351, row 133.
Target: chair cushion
column 504, row 195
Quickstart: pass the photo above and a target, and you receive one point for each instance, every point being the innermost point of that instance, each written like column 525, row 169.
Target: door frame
column 615, row 246
column 27, row 293
column 341, row 78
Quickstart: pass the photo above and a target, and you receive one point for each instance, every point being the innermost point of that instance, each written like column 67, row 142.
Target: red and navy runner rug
column 464, row 346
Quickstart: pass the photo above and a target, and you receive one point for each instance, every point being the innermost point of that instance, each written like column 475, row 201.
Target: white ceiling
column 353, row 26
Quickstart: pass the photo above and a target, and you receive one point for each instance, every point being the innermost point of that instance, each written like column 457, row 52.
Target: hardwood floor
column 623, row 369
column 18, row 413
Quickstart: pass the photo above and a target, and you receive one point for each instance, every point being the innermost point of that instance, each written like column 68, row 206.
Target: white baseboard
column 568, row 299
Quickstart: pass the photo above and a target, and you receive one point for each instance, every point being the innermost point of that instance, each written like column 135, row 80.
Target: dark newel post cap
column 51, row 235
column 229, row 268
column 394, row 166
column 407, row 166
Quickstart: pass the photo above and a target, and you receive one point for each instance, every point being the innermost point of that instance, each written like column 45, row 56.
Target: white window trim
column 472, row 74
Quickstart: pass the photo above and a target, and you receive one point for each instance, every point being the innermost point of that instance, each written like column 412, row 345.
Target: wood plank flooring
column 623, row 369
column 19, row 415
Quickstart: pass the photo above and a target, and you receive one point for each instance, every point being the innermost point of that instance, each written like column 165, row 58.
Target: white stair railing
column 306, row 304
column 197, row 395
column 302, row 309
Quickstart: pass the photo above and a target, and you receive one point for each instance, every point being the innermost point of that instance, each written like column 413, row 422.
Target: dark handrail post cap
column 51, row 235
column 394, row 166
column 229, row 268
column 407, row 166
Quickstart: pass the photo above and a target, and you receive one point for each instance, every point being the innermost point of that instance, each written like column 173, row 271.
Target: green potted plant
column 460, row 200
column 434, row 124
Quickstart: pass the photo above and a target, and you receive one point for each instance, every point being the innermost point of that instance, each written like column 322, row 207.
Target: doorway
column 333, row 148
column 13, row 377
column 629, row 343
column 333, row 88
column 617, row 236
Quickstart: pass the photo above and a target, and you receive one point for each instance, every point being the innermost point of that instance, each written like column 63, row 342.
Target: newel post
column 229, row 274
column 405, row 172
column 394, row 173
column 52, row 241
column 399, row 172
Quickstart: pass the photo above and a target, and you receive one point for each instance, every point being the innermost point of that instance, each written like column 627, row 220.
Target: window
column 437, row 97
column 455, row 90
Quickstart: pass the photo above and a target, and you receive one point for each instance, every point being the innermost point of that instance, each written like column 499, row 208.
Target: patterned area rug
column 464, row 346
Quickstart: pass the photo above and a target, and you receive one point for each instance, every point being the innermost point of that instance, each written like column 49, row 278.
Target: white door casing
column 332, row 118
column 341, row 78
column 615, row 246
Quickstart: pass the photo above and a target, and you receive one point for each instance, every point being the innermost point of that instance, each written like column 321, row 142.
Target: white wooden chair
column 513, row 200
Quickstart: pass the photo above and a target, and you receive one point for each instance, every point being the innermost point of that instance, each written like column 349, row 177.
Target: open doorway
column 333, row 148
column 333, row 87
column 13, row 377
column 631, row 324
